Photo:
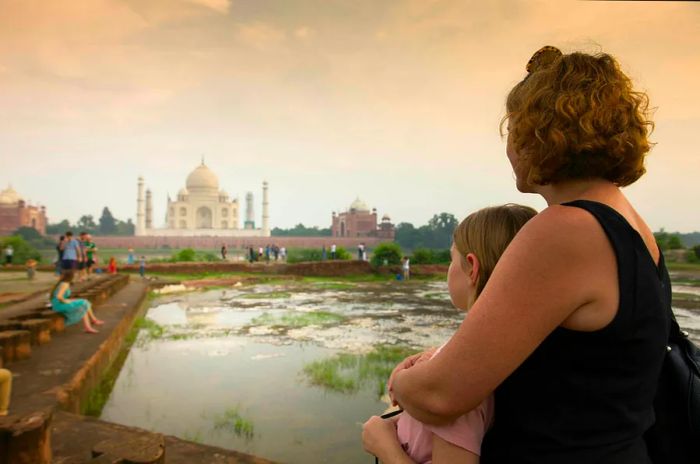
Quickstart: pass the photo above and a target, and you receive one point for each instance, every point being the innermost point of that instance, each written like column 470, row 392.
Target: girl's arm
column 379, row 438
column 560, row 262
column 445, row 452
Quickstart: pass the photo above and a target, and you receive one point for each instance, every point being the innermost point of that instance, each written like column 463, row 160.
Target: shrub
column 22, row 250
column 428, row 256
column 389, row 252
column 186, row 255
column 300, row 255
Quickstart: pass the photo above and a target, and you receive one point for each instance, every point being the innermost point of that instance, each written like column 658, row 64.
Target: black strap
column 387, row 416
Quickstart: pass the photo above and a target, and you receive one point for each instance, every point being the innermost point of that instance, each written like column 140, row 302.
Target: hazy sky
column 397, row 101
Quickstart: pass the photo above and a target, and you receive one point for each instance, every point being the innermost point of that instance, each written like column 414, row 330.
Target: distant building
column 201, row 209
column 359, row 221
column 16, row 213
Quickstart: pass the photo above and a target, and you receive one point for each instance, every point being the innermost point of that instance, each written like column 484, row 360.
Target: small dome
column 202, row 178
column 9, row 196
column 359, row 205
column 386, row 218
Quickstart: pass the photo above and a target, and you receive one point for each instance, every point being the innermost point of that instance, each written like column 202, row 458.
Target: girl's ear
column 472, row 268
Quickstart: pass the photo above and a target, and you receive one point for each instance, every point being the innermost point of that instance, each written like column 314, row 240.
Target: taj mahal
column 201, row 209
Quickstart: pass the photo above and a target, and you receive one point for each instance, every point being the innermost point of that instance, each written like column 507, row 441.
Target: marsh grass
column 299, row 319
column 232, row 421
column 348, row 373
column 335, row 285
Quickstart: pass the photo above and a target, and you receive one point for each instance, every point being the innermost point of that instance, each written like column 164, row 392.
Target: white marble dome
column 9, row 196
column 359, row 205
column 202, row 179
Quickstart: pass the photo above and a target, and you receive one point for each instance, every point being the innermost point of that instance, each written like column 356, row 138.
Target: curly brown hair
column 577, row 116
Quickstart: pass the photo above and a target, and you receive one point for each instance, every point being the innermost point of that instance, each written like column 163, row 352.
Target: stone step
column 16, row 345
column 26, row 439
column 145, row 448
column 39, row 329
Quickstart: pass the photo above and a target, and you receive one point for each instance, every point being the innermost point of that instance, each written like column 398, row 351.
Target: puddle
column 285, row 371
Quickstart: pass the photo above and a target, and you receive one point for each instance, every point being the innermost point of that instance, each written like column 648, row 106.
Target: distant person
column 323, row 253
column 360, row 252
column 59, row 252
column 283, row 253
column 406, row 267
column 74, row 310
column 90, row 252
column 5, row 391
column 276, row 251
column 260, row 253
column 112, row 267
column 9, row 253
column 267, row 253
column 251, row 255
column 333, row 251
column 71, row 253
column 31, row 268
column 224, row 251
column 130, row 257
column 142, row 266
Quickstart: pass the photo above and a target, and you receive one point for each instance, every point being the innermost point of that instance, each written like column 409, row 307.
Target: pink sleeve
column 468, row 431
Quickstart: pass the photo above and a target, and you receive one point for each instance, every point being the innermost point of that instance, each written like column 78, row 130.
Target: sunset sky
column 395, row 101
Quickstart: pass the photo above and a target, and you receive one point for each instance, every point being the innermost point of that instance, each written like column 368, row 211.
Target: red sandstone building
column 16, row 213
column 358, row 221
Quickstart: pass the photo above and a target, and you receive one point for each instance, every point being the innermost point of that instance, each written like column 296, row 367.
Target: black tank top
column 587, row 397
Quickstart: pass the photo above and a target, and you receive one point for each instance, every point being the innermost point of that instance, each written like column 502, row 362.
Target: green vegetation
column 300, row 255
column 299, row 319
column 301, row 231
column 232, row 421
column 428, row 256
column 151, row 329
column 106, row 225
column 348, row 373
column 437, row 234
column 23, row 250
column 266, row 295
column 334, row 285
column 386, row 253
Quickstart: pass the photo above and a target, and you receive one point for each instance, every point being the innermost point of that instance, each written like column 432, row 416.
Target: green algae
column 266, row 295
column 347, row 373
column 232, row 421
column 298, row 319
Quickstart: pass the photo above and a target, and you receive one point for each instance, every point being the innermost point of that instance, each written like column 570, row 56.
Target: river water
column 288, row 370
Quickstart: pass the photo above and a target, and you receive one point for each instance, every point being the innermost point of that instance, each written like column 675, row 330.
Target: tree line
column 107, row 224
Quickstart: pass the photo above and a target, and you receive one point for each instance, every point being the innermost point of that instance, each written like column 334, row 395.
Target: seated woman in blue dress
column 74, row 310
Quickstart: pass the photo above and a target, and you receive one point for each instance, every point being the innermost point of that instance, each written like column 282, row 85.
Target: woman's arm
column 61, row 292
column 557, row 264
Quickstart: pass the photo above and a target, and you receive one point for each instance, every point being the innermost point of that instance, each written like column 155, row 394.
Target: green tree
column 388, row 252
column 696, row 250
column 58, row 228
column 441, row 227
column 674, row 242
column 300, row 230
column 86, row 223
column 23, row 250
column 108, row 225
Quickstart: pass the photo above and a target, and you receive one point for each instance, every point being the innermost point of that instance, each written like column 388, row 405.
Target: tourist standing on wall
column 360, row 252
column 59, row 252
column 142, row 266
column 276, row 251
column 130, row 257
column 283, row 253
column 82, row 262
column 9, row 252
column 251, row 255
column 91, row 254
column 224, row 251
column 323, row 253
column 71, row 253
column 333, row 251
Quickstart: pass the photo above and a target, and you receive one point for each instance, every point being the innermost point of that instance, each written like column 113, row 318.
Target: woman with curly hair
column 570, row 332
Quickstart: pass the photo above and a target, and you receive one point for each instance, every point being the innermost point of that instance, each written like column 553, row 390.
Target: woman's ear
column 472, row 268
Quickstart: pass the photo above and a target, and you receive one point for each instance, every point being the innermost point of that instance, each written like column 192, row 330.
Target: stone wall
column 232, row 242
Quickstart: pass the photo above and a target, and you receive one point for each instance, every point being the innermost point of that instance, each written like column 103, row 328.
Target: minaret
column 265, row 212
column 140, row 210
column 149, row 210
column 249, row 214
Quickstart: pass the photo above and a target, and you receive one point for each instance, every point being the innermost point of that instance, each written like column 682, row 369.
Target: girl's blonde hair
column 487, row 233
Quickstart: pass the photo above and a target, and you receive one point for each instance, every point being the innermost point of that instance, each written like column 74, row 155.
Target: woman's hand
column 407, row 364
column 379, row 438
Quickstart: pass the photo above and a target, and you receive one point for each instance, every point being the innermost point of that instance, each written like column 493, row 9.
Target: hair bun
column 542, row 58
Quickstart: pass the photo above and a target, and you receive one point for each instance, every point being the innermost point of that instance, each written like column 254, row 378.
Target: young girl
column 112, row 267
column 479, row 241
column 72, row 309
